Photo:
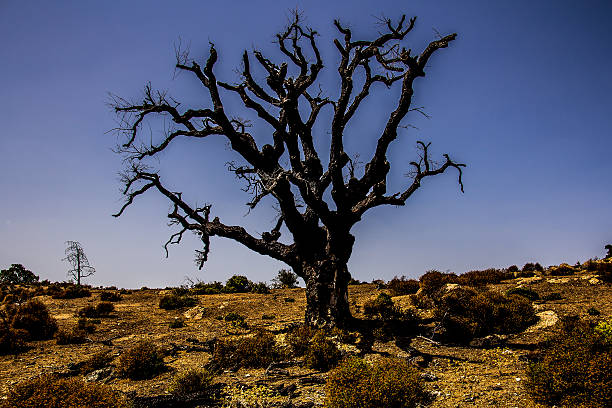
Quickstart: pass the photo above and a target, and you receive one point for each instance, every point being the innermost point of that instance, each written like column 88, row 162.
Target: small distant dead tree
column 319, row 193
column 75, row 256
column 609, row 249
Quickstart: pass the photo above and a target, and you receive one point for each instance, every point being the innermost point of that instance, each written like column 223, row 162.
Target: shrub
column 466, row 313
column 573, row 369
column 552, row 296
column 402, row 286
column 144, row 360
column 71, row 292
column 110, row 297
column 202, row 288
column 16, row 274
column 512, row 269
column 55, row 392
column 524, row 292
column 322, row 353
column 479, row 278
column 12, row 341
column 260, row 287
column 299, row 339
column 602, row 267
column 237, row 284
column 87, row 325
column 177, row 323
column 390, row 383
column 531, row 267
column 381, row 307
column 34, row 318
column 592, row 311
column 105, row 308
column 88, row 311
column 191, row 382
column 432, row 282
column 604, row 330
column 562, row 270
column 236, row 319
column 174, row 301
column 70, row 336
column 258, row 350
column 285, row 279
column 97, row 361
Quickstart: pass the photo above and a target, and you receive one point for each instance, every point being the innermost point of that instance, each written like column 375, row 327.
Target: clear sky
column 522, row 96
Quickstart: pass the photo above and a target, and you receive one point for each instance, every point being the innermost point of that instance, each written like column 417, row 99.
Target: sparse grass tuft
column 191, row 382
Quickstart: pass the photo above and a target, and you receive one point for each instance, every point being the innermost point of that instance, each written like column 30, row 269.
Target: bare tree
column 75, row 255
column 289, row 102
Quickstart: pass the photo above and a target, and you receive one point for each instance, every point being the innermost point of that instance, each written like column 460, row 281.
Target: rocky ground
column 488, row 373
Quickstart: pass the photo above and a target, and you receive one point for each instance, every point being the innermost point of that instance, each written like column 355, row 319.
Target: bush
column 71, row 292
column 322, row 353
column 592, row 311
column 174, row 301
column 191, row 382
column 142, row 361
column 390, row 383
column 432, row 282
column 95, row 362
column 285, row 279
column 34, row 318
column 87, row 325
column 105, row 308
column 402, row 286
column 552, row 296
column 299, row 339
column 260, row 287
column 466, row 313
column 256, row 351
column 236, row 319
column 531, row 267
column 16, row 274
column 70, row 336
column 381, row 307
column 110, row 296
column 512, row 269
column 524, row 292
column 602, row 267
column 479, row 278
column 202, row 288
column 55, row 392
column 12, row 341
column 562, row 270
column 573, row 369
column 177, row 323
column 604, row 330
column 237, row 284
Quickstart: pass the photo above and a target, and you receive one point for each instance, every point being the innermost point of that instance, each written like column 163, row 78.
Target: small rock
column 429, row 377
column 98, row 374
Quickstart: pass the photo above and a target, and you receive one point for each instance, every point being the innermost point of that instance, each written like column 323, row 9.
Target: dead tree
column 320, row 230
column 75, row 256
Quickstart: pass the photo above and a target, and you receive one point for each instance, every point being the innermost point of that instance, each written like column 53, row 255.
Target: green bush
column 573, row 369
column 237, row 284
column 142, row 361
column 285, row 278
column 390, row 383
column 524, row 292
column 258, row 350
column 403, row 286
column 260, row 287
column 322, row 353
column 55, row 392
column 236, row 319
column 604, row 330
column 16, row 274
column 466, row 313
column 174, row 301
column 203, row 288
column 34, row 318
column 191, row 382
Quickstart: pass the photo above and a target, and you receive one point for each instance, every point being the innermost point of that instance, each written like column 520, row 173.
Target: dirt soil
column 456, row 376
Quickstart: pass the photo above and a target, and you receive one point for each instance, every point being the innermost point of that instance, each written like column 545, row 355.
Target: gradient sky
column 522, row 97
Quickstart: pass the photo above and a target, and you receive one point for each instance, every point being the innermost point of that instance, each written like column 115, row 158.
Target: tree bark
column 327, row 294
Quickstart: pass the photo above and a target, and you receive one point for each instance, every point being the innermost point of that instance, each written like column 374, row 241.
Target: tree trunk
column 327, row 294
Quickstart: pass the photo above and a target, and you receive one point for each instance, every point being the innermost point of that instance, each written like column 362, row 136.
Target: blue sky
column 522, row 97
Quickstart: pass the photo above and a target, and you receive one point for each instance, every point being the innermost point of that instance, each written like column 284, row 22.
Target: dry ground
column 461, row 376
